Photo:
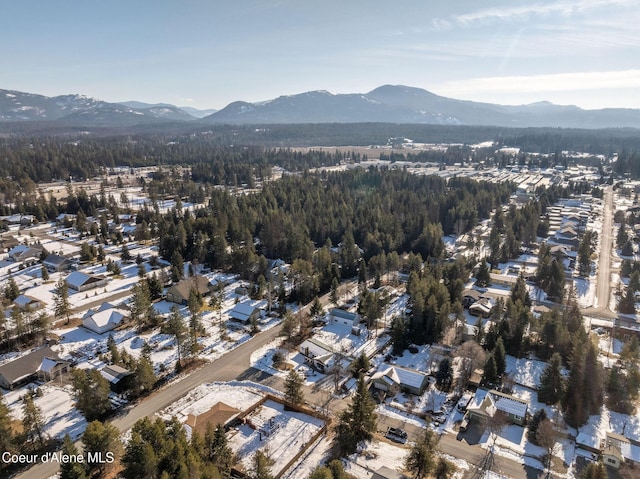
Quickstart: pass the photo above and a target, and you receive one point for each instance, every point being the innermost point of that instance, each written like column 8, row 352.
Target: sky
column 208, row 53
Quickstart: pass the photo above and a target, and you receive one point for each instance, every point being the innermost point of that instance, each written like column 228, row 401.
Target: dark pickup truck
column 396, row 435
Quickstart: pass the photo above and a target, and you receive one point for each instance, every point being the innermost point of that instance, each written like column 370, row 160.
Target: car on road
column 396, row 435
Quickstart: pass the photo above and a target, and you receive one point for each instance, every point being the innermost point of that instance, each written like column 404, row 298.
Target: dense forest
column 236, row 153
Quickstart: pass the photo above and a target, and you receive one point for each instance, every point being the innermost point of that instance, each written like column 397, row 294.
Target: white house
column 317, row 353
column 106, row 318
column 80, row 281
column 344, row 317
column 246, row 311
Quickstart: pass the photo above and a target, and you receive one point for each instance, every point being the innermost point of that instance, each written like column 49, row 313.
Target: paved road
column 232, row 365
column 603, row 285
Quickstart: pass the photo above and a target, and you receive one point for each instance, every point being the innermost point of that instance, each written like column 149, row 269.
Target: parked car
column 396, row 435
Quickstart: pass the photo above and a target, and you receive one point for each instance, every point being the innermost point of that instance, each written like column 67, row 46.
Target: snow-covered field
column 57, row 406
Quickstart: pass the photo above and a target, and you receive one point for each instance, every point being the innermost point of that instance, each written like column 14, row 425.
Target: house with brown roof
column 220, row 413
column 179, row 292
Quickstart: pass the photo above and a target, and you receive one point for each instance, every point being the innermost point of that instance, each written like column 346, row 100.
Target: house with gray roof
column 246, row 311
column 485, row 404
column 79, row 281
column 393, row 379
column 179, row 292
column 344, row 317
column 56, row 263
column 42, row 363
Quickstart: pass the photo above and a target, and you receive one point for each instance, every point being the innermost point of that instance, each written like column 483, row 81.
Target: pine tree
column 71, row 469
column 261, row 466
column 175, row 326
column 576, row 414
column 358, row 421
column 33, row 422
column 44, row 273
column 102, row 438
column 293, row 388
column 61, row 304
column 140, row 304
column 218, row 450
column 500, row 357
column 539, row 416
column 421, row 460
column 144, row 377
column 444, row 375
column 139, row 460
column 6, row 431
column 11, row 290
column 91, row 391
column 551, row 386
column 490, row 375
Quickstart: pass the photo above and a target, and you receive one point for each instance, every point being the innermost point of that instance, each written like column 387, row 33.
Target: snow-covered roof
column 78, row 278
column 400, row 376
column 315, row 347
column 509, row 404
column 104, row 319
column 492, row 401
column 243, row 311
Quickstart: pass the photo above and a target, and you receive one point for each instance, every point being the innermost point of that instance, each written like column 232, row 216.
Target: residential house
column 317, row 354
column 42, row 363
column 25, row 254
column 106, row 318
column 28, row 303
column 470, row 296
column 219, row 414
column 344, row 317
column 179, row 292
column 246, row 311
column 485, row 404
column 56, row 263
column 618, row 450
column 79, row 281
column 482, row 308
column 118, row 377
column 393, row 379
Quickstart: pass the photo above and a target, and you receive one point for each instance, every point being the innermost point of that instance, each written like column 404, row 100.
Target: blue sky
column 206, row 54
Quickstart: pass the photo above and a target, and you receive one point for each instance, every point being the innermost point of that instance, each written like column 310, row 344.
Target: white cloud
column 559, row 82
column 563, row 8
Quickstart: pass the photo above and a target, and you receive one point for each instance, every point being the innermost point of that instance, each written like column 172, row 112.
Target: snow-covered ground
column 57, row 406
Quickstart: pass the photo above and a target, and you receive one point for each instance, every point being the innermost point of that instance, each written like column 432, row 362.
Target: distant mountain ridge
column 385, row 104
column 403, row 104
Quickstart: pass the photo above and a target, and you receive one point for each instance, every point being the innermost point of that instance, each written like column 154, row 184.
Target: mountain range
column 388, row 104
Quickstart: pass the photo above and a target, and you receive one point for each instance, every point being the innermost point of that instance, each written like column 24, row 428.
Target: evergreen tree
column 91, row 392
column 33, row 422
column 71, row 469
column 490, row 375
column 11, row 290
column 61, row 304
column 499, row 355
column 44, row 273
column 175, row 326
column 551, row 386
column 218, row 450
column 140, row 304
column 421, row 460
column 139, row 460
column 358, row 422
column 360, row 365
column 6, row 431
column 144, row 377
column 261, row 466
column 444, row 375
column 102, row 438
column 539, row 416
column 293, row 388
